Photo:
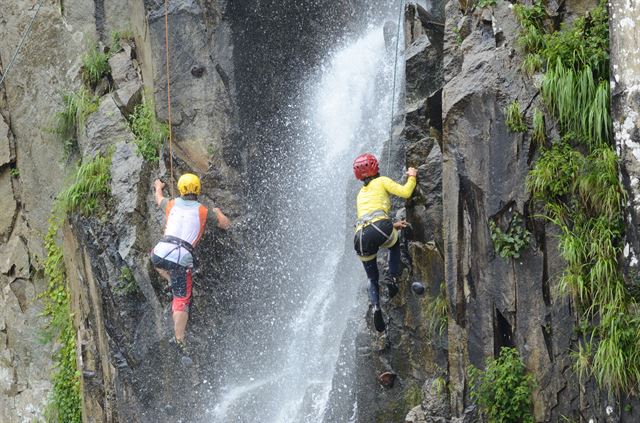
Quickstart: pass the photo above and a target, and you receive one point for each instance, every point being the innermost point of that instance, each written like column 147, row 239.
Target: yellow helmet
column 189, row 184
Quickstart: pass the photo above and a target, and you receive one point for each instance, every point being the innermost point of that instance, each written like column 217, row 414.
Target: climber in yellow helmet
column 173, row 255
column 374, row 228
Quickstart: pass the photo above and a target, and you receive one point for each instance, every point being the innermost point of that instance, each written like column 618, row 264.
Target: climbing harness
column 178, row 242
column 393, row 94
column 166, row 45
column 366, row 220
column 170, row 239
column 24, row 37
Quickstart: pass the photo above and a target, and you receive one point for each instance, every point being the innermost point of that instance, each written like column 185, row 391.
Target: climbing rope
column 393, row 95
column 24, row 37
column 166, row 45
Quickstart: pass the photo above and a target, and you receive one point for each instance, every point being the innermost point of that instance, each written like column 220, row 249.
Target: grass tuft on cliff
column 95, row 66
column 149, row 132
column 77, row 105
column 90, row 189
column 514, row 119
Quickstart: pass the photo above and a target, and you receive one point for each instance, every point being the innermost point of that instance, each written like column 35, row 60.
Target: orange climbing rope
column 166, row 45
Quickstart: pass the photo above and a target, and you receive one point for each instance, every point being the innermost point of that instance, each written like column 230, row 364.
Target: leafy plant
column 95, row 66
column 149, row 133
column 555, row 172
column 514, row 119
column 65, row 402
column 91, row 187
column 531, row 16
column 486, row 3
column 538, row 135
column 127, row 282
column 14, row 172
column 509, row 244
column 77, row 106
column 503, row 389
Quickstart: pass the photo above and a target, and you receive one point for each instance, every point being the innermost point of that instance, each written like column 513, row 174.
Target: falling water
column 346, row 112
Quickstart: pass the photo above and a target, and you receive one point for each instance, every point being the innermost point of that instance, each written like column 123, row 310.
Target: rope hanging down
column 167, row 57
column 24, row 37
column 393, row 95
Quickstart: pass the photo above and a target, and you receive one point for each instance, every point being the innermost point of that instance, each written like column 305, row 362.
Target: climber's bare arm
column 159, row 186
column 223, row 221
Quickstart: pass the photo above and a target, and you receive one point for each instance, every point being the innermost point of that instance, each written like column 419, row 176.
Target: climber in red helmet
column 173, row 254
column 375, row 229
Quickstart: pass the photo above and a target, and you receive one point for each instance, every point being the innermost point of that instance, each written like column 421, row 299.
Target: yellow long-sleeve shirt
column 375, row 196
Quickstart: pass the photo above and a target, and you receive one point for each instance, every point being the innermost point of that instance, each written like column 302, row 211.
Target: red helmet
column 365, row 165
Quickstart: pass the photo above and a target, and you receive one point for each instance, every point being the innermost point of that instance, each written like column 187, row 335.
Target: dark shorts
column 368, row 240
column 180, row 282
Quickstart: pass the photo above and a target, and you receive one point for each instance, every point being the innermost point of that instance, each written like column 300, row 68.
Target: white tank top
column 185, row 220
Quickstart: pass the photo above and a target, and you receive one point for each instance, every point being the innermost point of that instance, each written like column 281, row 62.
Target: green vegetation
column 65, row 402
column 532, row 63
column 538, row 134
column 576, row 183
column 435, row 311
column 127, row 282
column 509, row 244
column 486, row 3
column 77, row 106
column 150, row 134
column 514, row 119
column 14, row 172
column 95, row 66
column 459, row 39
column 579, row 104
column 90, row 189
column 503, row 389
column 116, row 38
column 439, row 384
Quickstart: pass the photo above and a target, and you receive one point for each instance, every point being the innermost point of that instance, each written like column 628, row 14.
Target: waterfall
column 345, row 110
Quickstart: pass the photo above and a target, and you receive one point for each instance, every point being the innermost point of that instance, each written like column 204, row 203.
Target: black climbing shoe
column 392, row 286
column 378, row 321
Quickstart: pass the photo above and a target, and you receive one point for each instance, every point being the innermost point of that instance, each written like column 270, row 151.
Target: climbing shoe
column 378, row 321
column 392, row 286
